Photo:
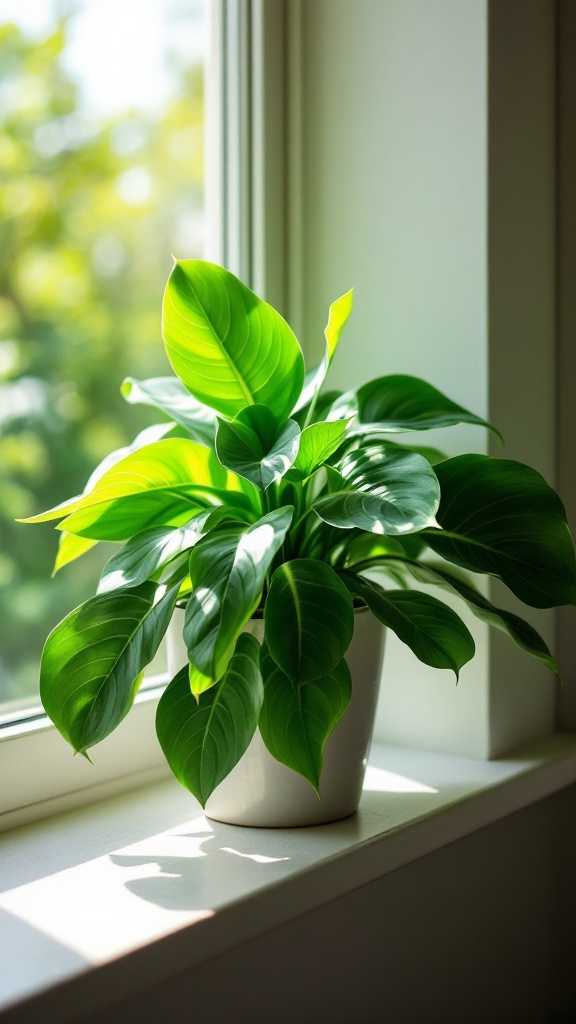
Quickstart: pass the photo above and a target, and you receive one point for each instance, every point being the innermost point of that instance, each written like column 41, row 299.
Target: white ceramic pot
column 260, row 791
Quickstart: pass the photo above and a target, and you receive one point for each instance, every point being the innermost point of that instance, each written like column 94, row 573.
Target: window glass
column 101, row 179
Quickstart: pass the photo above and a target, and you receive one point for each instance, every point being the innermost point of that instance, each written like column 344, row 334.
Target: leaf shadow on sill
column 215, row 864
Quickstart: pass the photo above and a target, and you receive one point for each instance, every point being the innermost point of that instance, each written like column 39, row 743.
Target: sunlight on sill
column 378, row 780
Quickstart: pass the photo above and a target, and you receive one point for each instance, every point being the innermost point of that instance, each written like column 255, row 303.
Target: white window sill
column 143, row 887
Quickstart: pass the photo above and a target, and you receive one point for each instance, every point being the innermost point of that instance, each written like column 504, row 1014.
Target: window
column 372, row 157
column 102, row 151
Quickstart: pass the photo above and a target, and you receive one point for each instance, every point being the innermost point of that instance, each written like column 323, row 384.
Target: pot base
column 262, row 793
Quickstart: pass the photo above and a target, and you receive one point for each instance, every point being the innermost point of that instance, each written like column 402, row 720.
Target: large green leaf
column 297, row 718
column 162, row 483
column 203, row 740
column 228, row 570
column 309, row 619
column 523, row 634
column 93, row 660
column 152, row 549
column 229, row 347
column 338, row 314
column 432, row 631
column 398, row 403
column 501, row 517
column 170, row 395
column 255, row 447
column 71, row 547
column 317, row 443
column 387, row 491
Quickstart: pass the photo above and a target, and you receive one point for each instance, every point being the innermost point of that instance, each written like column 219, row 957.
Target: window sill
column 142, row 886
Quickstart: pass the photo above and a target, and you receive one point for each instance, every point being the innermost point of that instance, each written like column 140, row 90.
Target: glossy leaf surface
column 202, row 741
column 387, row 491
column 297, row 719
column 520, row 631
column 151, row 486
column 255, row 447
column 399, row 402
column 228, row 569
column 229, row 347
column 309, row 619
column 93, row 660
column 170, row 395
column 152, row 549
column 501, row 517
column 432, row 631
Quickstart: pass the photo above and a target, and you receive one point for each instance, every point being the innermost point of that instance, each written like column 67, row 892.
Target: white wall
column 428, row 185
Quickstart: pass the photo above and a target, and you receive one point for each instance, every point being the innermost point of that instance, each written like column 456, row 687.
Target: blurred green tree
column 89, row 214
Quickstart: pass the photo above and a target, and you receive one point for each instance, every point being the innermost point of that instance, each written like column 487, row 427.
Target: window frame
column 259, row 210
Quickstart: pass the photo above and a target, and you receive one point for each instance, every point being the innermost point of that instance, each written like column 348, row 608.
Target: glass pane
column 101, row 157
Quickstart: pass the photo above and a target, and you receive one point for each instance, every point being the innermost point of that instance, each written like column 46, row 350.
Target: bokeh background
column 101, row 179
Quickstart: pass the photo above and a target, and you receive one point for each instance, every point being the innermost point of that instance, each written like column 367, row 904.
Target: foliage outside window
column 92, row 202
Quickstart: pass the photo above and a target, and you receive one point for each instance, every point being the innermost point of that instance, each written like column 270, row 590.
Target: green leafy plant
column 265, row 496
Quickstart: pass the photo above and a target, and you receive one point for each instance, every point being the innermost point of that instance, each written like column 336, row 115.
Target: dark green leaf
column 229, row 347
column 203, row 741
column 501, row 517
column 516, row 628
column 399, row 402
column 256, row 447
column 228, row 569
column 93, row 660
column 387, row 491
column 309, row 619
column 324, row 402
column 170, row 395
column 432, row 631
column 297, row 719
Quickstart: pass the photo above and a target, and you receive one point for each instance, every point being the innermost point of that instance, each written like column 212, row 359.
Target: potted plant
column 264, row 512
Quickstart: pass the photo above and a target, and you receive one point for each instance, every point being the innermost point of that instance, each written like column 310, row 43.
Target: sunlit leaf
column 501, row 517
column 387, row 491
column 309, row 619
column 203, row 741
column 297, row 718
column 148, row 551
column 255, row 447
column 170, row 395
column 432, row 631
column 338, row 314
column 70, row 548
column 318, row 442
column 228, row 570
column 230, row 348
column 93, row 660
column 163, row 483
